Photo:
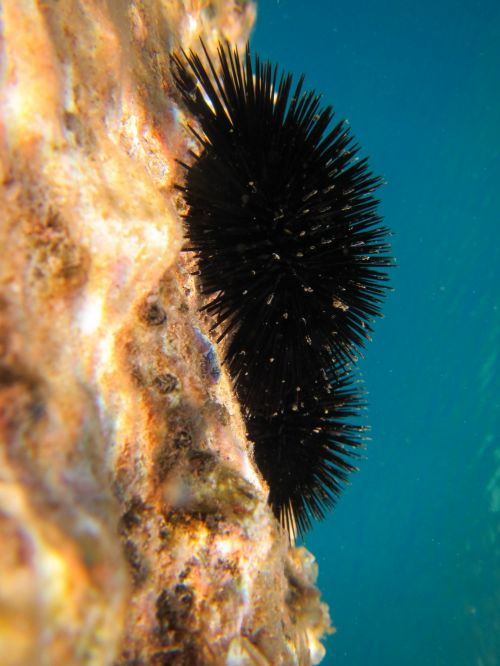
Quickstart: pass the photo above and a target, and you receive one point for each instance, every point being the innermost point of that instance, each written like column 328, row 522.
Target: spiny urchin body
column 291, row 256
column 304, row 451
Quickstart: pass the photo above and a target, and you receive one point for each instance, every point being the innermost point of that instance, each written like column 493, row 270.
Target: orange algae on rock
column 134, row 524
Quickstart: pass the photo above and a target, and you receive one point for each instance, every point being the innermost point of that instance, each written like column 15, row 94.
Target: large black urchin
column 291, row 257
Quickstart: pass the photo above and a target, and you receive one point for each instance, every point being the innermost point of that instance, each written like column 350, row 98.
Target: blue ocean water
column 410, row 558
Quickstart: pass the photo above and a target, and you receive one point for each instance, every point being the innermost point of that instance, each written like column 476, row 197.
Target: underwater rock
column 134, row 525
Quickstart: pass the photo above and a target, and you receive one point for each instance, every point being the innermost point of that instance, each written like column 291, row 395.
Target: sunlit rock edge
column 134, row 524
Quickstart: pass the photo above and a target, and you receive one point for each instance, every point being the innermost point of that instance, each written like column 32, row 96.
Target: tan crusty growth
column 133, row 523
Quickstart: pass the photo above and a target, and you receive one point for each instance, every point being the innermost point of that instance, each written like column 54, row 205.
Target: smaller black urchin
column 291, row 257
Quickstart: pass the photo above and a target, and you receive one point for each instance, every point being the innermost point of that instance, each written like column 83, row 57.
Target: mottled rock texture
column 134, row 524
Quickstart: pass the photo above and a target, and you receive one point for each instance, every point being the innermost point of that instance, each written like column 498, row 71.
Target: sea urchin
column 291, row 258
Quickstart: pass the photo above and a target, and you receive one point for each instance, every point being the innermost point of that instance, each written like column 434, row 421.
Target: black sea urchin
column 303, row 450
column 290, row 251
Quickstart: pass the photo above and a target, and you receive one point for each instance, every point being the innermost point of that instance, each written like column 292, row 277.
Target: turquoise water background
column 410, row 558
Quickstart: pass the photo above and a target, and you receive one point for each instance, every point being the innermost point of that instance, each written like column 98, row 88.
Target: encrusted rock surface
column 134, row 524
